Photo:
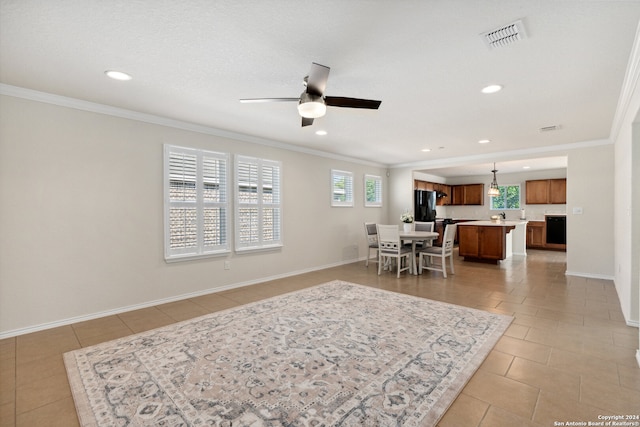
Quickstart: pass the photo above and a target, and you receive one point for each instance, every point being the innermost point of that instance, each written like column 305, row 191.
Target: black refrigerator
column 424, row 208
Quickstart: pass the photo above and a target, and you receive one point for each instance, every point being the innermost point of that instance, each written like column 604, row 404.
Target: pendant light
column 494, row 190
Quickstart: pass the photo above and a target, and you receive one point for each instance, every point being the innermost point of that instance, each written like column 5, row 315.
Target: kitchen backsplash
column 532, row 212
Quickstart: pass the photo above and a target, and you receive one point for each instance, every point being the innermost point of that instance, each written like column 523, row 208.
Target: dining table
column 415, row 237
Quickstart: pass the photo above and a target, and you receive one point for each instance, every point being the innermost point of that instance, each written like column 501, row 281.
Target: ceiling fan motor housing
column 311, row 106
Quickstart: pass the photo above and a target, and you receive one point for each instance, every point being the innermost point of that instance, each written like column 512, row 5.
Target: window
column 341, row 188
column 509, row 198
column 196, row 202
column 258, row 205
column 372, row 190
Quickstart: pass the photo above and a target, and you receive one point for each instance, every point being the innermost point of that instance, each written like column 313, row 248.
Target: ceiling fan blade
column 317, row 79
column 341, row 101
column 258, row 100
column 306, row 122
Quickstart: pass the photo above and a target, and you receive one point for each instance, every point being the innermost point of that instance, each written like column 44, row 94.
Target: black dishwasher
column 557, row 230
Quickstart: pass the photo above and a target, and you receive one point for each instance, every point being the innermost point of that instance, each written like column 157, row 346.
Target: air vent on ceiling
column 549, row 128
column 505, row 35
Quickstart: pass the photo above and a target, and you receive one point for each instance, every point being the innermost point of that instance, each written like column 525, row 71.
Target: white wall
column 81, row 216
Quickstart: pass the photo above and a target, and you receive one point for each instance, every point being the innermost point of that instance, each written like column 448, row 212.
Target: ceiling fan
column 312, row 103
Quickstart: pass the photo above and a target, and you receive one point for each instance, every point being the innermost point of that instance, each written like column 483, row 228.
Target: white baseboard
column 77, row 319
column 633, row 323
column 589, row 275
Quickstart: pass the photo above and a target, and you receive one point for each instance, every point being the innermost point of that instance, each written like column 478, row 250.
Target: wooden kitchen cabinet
column 469, row 194
column 536, row 234
column 546, row 191
column 457, row 194
column 469, row 245
column 433, row 186
column 422, row 185
column 474, row 194
column 558, row 191
column 483, row 242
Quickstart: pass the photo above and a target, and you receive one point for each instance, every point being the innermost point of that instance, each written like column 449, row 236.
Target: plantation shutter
column 372, row 191
column 341, row 188
column 196, row 202
column 258, row 203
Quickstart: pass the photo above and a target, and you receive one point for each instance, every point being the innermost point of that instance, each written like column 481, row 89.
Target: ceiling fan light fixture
column 311, row 106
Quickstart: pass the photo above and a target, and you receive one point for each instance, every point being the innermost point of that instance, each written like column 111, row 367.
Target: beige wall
column 590, row 235
column 81, row 221
column 627, row 213
column 81, row 216
column 626, row 135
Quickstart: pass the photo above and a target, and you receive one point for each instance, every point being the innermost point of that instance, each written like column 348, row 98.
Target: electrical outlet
column 227, row 265
column 577, row 211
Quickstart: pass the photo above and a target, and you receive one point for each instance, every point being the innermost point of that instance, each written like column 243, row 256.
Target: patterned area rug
column 337, row 354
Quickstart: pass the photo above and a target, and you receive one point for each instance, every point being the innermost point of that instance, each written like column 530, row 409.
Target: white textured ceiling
column 193, row 60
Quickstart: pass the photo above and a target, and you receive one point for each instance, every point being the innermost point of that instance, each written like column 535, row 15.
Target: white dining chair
column 427, row 254
column 424, row 226
column 390, row 247
column 371, row 233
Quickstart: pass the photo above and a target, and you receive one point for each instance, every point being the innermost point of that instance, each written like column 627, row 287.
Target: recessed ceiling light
column 426, row 150
column 491, row 89
column 526, row 167
column 484, row 141
column 321, row 132
column 118, row 75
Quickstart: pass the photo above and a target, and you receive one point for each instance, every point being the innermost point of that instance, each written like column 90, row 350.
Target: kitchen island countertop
column 494, row 223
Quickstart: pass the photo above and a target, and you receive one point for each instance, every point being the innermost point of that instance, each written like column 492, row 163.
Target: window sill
column 190, row 257
column 259, row 248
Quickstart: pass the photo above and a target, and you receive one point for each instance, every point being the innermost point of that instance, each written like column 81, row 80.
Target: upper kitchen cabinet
column 469, row 194
column 558, row 191
column 546, row 191
column 422, row 185
column 443, row 191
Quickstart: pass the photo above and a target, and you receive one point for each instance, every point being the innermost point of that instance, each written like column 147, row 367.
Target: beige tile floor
column 568, row 355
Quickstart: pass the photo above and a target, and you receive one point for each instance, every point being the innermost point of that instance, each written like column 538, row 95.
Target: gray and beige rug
column 337, row 354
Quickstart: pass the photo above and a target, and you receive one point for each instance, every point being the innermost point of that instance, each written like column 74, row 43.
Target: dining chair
column 443, row 252
column 372, row 240
column 424, row 226
column 390, row 247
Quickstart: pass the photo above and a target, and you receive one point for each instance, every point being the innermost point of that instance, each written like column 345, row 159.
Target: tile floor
column 568, row 355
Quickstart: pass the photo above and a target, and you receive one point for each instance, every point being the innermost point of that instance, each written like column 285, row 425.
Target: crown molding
column 78, row 104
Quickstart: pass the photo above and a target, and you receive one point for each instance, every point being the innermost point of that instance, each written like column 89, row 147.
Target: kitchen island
column 491, row 241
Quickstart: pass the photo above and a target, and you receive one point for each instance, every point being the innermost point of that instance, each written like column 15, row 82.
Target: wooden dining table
column 416, row 236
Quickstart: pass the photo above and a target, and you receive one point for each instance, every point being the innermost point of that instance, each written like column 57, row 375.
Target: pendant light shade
column 494, row 190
